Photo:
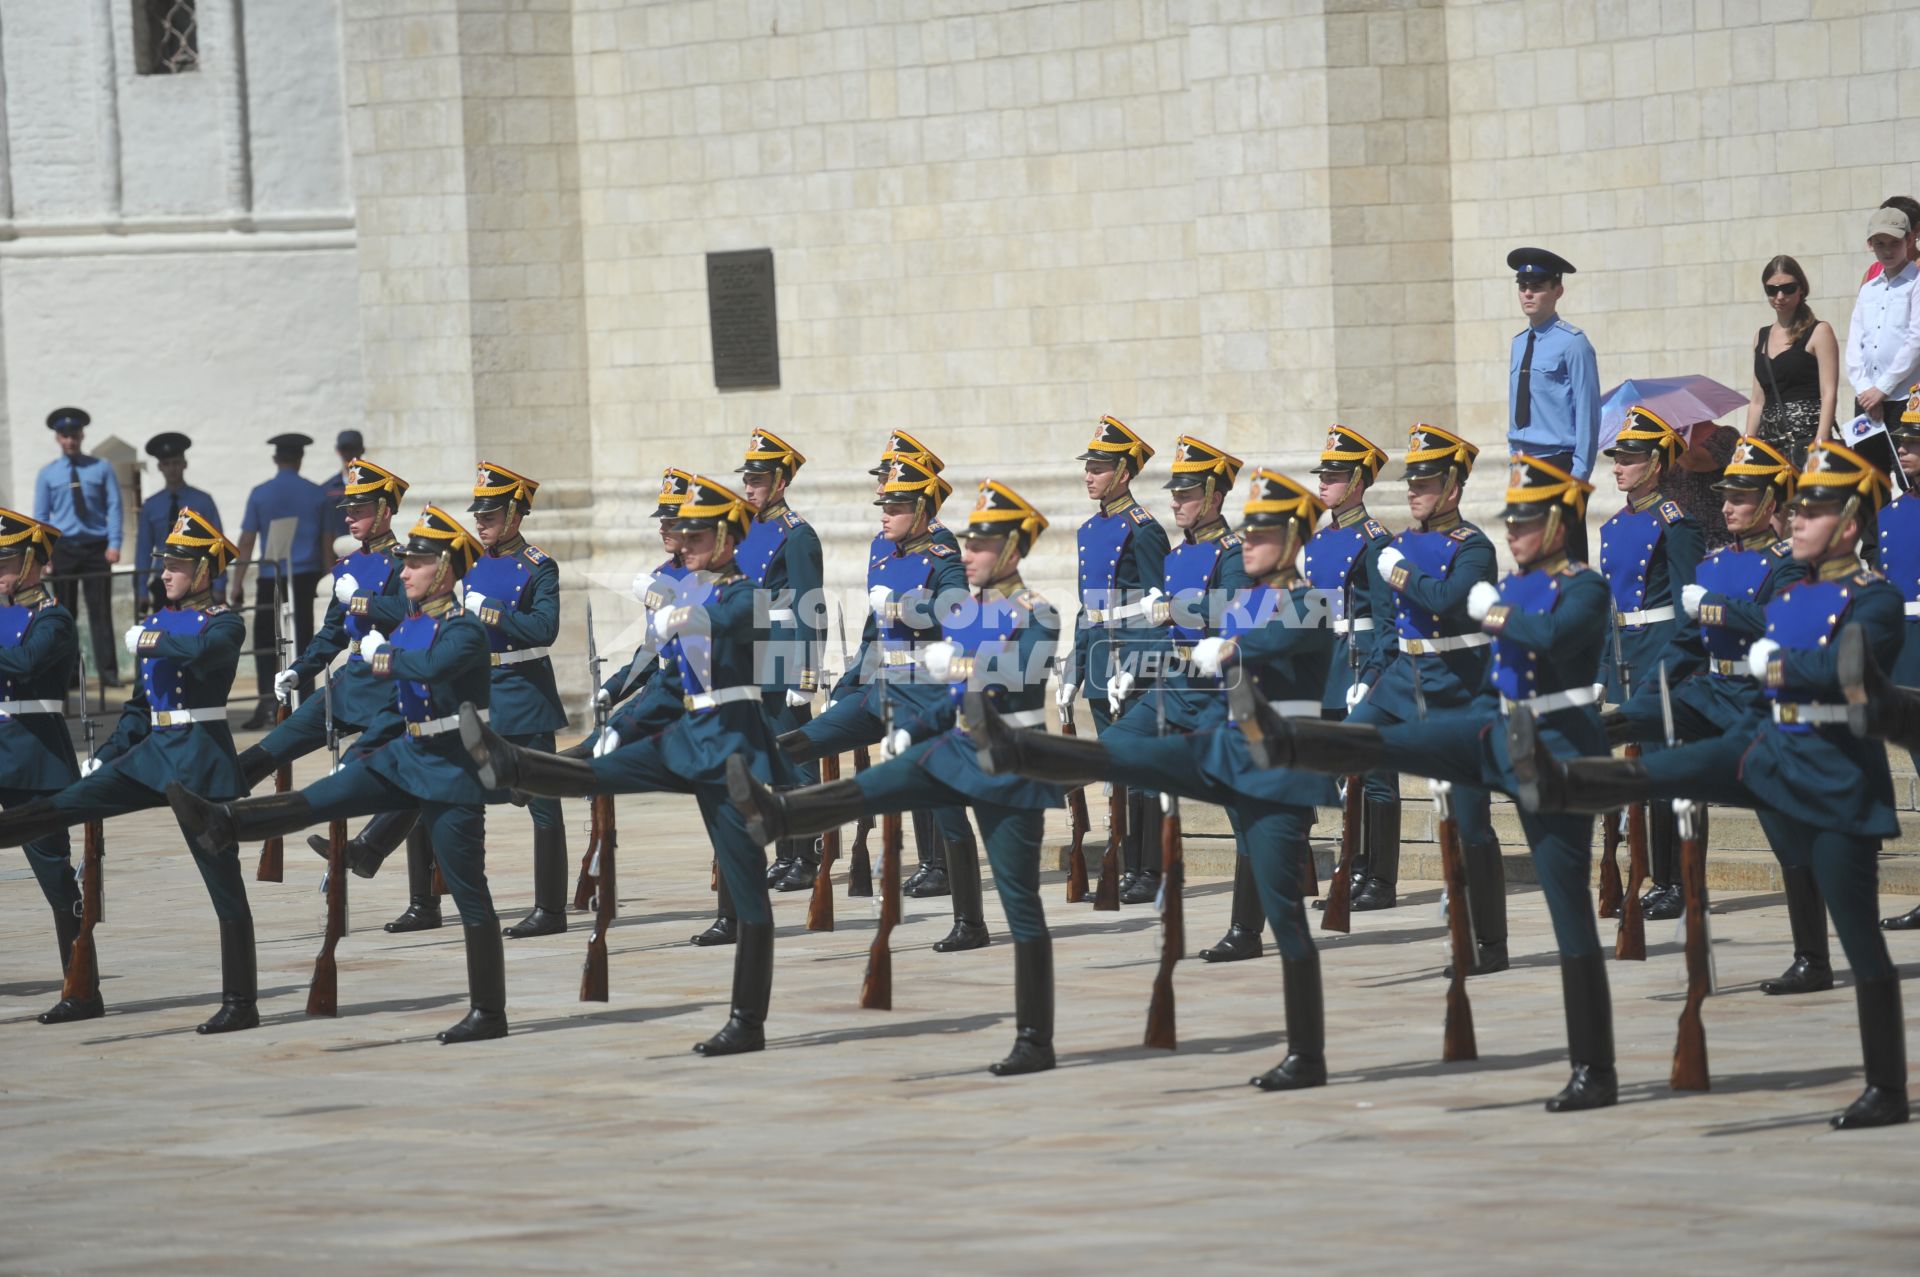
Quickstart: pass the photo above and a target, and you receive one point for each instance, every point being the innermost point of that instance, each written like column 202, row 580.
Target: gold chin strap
column 440, row 574
column 202, row 577
column 1847, row 511
column 1006, row 558
column 1546, row 537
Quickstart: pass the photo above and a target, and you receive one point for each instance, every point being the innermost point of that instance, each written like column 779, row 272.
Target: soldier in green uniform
column 173, row 730
column 998, row 645
column 437, row 659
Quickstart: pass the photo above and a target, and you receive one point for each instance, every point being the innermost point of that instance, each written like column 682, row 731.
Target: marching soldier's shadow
column 528, row 1028
column 1656, row 1090
column 207, row 1002
column 892, row 1029
column 30, row 989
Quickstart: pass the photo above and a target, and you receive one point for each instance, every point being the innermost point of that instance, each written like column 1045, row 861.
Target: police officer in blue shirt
column 80, row 496
column 286, row 495
column 1553, row 380
column 38, row 646
column 782, row 556
column 1649, row 552
column 437, row 660
column 159, row 512
column 173, row 729
column 997, row 645
column 1825, row 792
column 1123, row 561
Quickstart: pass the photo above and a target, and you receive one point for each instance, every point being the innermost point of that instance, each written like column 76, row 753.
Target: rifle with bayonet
column 323, row 994
column 820, row 906
column 1078, row 824
column 1630, row 943
column 1338, row 914
column 601, row 841
column 876, row 991
column 1173, row 926
column 272, row 866
column 83, row 961
column 1457, row 1038
column 1689, row 1071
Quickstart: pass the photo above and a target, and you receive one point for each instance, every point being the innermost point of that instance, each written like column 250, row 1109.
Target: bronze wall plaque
column 740, row 316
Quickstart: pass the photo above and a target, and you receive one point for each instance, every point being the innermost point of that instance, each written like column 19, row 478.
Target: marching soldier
column 438, row 658
column 644, row 696
column 1431, row 568
column 38, row 646
column 781, row 555
column 159, row 512
column 712, row 639
column 998, row 645
column 1649, row 552
column 1828, row 791
column 174, row 730
column 1276, row 634
column 1341, row 565
column 1122, row 556
column 1198, row 577
column 1899, row 557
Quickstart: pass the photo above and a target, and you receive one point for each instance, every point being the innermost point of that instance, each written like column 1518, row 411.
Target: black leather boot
column 262, row 716
column 1486, row 874
column 1663, row 903
column 1588, row 785
column 745, row 1029
column 369, row 849
column 1812, row 968
column 1306, row 1062
column 1908, row 921
column 723, row 930
column 507, row 766
column 1876, row 707
column 30, row 822
column 804, row 854
column 1131, row 842
column 782, row 861
column 1145, row 817
column 1242, row 940
column 1032, row 1010
column 239, row 981
column 1381, row 890
column 1883, row 1040
column 1594, row 1084
column 549, row 913
column 217, row 826
column 799, row 747
column 66, row 927
column 963, row 878
column 423, row 907
column 486, row 1018
column 1618, row 727
column 256, row 765
column 1031, row 752
column 929, row 877
column 772, row 815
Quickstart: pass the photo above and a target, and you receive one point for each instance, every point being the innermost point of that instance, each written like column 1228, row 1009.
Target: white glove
column 642, row 583
column 1209, row 654
column 338, row 768
column 895, row 743
column 1481, row 598
column 372, row 643
column 344, row 588
column 606, row 742
column 1759, row 656
column 663, row 624
column 878, row 598
column 472, row 600
column 602, row 699
column 91, row 766
column 1119, row 686
column 1356, row 694
column 1690, row 596
column 797, row 699
column 1063, row 695
column 938, row 659
column 1390, row 558
column 133, row 638
column 283, row 684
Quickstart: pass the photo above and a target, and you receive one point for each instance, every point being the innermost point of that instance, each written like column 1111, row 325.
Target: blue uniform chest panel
column 900, row 574
column 1900, row 545
column 1739, row 575
column 693, row 650
column 755, row 554
column 987, row 634
column 1516, row 667
column 162, row 678
column 1331, row 556
column 371, row 571
column 1103, row 540
column 1627, row 543
column 1805, row 617
column 1189, row 572
column 416, row 634
column 1433, row 553
column 14, row 624
column 503, row 578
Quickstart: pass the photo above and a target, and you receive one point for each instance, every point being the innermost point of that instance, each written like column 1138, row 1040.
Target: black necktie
column 1523, row 397
column 173, row 510
column 73, row 485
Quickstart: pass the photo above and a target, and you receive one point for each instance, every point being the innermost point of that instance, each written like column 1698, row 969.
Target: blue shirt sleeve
column 115, row 515
column 43, row 496
column 1583, row 369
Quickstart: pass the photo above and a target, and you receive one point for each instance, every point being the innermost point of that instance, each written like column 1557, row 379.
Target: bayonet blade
column 1666, row 706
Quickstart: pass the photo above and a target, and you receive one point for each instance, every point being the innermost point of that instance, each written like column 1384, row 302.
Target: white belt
column 1729, row 669
column 784, row 615
column 181, row 717
column 722, row 696
column 1795, row 712
column 1025, row 718
column 440, row 726
column 32, row 707
column 1295, row 709
column 1547, row 702
column 1126, row 611
column 1645, row 616
column 1355, row 625
column 896, row 658
column 522, row 656
column 1913, row 608
column 1450, row 643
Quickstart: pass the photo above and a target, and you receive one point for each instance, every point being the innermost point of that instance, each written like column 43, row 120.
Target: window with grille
column 166, row 37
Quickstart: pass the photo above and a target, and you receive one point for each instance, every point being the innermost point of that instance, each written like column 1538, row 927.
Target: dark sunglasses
column 1775, row 290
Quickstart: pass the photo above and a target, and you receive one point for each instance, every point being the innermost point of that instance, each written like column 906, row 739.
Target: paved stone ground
column 593, row 1141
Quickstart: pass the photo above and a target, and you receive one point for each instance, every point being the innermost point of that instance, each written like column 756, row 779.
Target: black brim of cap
column 1525, row 511
column 1426, row 469
column 1180, row 481
column 1335, row 467
column 1741, row 483
column 480, row 505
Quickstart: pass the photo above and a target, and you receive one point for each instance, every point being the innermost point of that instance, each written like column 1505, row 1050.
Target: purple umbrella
column 1683, row 402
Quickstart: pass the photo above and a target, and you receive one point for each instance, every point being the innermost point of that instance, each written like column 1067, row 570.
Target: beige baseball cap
column 1888, row 221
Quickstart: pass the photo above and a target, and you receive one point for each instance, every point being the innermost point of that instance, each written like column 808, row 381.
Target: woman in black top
column 1796, row 363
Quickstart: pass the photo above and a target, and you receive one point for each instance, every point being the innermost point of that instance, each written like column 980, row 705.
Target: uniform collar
column 1211, row 532
column 385, row 541
column 1758, row 540
column 439, row 605
column 1006, row 587
column 1281, row 578
column 1647, row 502
column 512, row 545
column 913, row 545
column 1445, row 521
column 1351, row 515
column 1551, row 564
column 1837, row 568
column 774, row 509
column 32, row 596
column 194, row 602
column 1118, row 505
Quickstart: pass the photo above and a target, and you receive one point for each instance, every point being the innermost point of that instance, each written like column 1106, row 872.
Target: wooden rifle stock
column 1338, row 915
column 1457, row 1040
column 583, row 882
column 1173, row 930
column 876, row 991
column 83, row 962
column 1610, row 891
column 1630, row 944
column 1106, row 897
column 273, row 851
column 820, row 907
column 593, row 971
column 1690, row 1046
column 1077, row 812
column 859, row 861
column 323, row 995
